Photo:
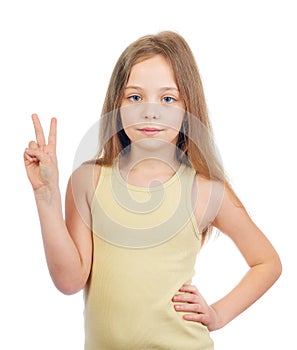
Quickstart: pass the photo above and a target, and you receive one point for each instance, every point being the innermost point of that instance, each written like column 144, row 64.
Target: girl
column 137, row 216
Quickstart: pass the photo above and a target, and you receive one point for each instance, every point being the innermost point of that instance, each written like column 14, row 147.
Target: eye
column 134, row 98
column 168, row 99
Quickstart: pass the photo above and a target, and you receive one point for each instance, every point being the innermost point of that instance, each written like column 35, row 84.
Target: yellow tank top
column 145, row 245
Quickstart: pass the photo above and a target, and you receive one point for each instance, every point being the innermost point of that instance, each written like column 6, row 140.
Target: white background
column 56, row 59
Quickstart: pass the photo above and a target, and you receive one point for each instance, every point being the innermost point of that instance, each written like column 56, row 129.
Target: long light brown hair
column 196, row 140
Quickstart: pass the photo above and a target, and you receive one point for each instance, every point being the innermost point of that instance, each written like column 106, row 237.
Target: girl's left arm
column 263, row 260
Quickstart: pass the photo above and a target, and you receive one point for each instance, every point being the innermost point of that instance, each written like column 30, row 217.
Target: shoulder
column 83, row 181
column 218, row 205
column 86, row 174
column 207, row 198
column 209, row 189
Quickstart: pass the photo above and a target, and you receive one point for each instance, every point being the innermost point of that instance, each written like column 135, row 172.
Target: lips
column 150, row 131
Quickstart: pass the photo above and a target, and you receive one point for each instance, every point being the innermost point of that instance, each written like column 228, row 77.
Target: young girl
column 137, row 216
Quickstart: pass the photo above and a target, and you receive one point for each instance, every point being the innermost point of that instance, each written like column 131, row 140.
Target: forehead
column 152, row 69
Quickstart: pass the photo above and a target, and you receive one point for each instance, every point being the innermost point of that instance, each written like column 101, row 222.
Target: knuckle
column 206, row 318
column 196, row 307
column 194, row 289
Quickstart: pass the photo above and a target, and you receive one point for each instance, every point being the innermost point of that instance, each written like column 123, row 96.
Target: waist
column 128, row 298
column 126, row 319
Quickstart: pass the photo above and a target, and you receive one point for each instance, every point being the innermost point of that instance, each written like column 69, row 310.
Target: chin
column 155, row 146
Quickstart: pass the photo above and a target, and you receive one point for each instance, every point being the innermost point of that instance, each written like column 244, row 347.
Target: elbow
column 275, row 268
column 278, row 268
column 69, row 287
column 69, row 290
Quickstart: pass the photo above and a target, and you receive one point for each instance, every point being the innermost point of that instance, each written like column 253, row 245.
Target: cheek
column 129, row 116
column 174, row 119
column 126, row 119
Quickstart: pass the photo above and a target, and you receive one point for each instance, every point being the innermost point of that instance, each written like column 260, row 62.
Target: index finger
column 189, row 288
column 38, row 130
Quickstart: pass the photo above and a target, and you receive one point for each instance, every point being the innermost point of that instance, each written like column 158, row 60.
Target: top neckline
column 173, row 178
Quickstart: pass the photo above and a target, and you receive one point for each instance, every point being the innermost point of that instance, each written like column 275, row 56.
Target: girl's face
column 151, row 108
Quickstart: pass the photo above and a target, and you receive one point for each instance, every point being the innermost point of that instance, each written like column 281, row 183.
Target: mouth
column 150, row 131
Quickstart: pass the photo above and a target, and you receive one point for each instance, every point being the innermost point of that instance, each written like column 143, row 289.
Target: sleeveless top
column 145, row 243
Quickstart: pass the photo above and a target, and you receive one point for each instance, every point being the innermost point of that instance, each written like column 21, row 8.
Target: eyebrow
column 164, row 88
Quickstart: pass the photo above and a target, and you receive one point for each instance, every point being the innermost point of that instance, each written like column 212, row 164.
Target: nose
column 151, row 111
column 150, row 116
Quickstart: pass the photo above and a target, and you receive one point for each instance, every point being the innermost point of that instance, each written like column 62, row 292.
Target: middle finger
column 186, row 297
column 188, row 307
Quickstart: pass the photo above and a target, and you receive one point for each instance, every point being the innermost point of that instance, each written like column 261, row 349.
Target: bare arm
column 68, row 253
column 263, row 260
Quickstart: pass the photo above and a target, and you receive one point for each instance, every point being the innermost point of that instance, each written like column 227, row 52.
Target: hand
column 192, row 301
column 40, row 158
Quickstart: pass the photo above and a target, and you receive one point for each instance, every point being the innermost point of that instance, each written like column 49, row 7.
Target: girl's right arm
column 68, row 245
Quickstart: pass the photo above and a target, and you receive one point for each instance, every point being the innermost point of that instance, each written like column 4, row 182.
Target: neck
column 163, row 158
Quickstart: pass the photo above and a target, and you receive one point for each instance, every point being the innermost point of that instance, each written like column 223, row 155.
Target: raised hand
column 40, row 157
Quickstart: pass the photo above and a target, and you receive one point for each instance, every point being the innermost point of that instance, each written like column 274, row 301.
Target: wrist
column 217, row 320
column 47, row 193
